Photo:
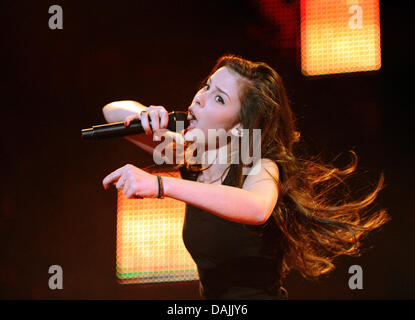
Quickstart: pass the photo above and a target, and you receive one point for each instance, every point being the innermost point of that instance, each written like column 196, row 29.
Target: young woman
column 248, row 225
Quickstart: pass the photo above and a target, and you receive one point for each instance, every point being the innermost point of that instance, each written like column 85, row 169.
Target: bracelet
column 161, row 189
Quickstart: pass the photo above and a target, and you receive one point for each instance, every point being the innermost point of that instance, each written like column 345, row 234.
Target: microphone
column 118, row 129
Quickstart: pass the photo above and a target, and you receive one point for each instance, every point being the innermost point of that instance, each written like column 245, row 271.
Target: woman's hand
column 134, row 182
column 159, row 117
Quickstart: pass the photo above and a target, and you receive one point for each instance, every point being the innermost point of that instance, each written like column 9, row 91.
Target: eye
column 220, row 100
column 206, row 86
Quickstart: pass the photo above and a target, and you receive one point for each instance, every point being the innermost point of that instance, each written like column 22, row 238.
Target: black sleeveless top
column 234, row 260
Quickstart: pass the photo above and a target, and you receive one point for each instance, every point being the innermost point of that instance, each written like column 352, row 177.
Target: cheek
column 219, row 119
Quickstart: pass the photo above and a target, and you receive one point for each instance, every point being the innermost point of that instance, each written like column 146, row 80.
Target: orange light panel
column 339, row 36
column 150, row 248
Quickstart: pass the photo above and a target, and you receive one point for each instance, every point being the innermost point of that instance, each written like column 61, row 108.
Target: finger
column 121, row 182
column 130, row 118
column 130, row 195
column 129, row 191
column 155, row 120
column 126, row 188
column 112, row 177
column 160, row 133
column 145, row 123
column 164, row 115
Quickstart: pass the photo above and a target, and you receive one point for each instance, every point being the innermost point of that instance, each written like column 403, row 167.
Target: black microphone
column 118, row 129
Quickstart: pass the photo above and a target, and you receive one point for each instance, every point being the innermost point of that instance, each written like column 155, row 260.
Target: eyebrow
column 209, row 80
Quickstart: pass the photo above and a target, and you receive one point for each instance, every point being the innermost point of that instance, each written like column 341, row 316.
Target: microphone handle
column 118, row 129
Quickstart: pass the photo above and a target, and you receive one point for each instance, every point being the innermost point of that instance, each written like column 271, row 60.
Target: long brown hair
column 316, row 225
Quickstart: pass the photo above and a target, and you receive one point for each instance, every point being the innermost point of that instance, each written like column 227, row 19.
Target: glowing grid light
column 150, row 248
column 339, row 36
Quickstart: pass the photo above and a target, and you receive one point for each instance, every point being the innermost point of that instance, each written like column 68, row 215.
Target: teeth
column 190, row 116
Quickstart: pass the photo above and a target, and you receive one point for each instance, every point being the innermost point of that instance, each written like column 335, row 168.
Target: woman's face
column 215, row 106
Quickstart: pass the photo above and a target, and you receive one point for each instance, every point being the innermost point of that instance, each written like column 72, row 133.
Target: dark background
column 55, row 82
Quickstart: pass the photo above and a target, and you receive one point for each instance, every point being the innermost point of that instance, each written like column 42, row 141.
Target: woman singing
column 247, row 224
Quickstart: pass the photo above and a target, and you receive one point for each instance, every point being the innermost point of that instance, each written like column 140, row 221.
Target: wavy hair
column 316, row 223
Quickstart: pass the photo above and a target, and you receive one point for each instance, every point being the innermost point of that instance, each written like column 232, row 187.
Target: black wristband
column 161, row 189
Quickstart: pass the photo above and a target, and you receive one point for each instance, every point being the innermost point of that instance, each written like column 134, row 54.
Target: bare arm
column 118, row 111
column 253, row 204
column 127, row 110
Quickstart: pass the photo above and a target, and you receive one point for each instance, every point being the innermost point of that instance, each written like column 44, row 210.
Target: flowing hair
column 316, row 226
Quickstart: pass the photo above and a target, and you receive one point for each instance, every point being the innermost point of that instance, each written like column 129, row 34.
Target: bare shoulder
column 264, row 168
column 264, row 171
column 270, row 167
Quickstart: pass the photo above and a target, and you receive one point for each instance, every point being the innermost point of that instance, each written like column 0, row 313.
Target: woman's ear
column 237, row 130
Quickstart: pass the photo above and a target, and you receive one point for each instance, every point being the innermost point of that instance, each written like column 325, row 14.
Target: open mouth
column 192, row 125
column 192, row 120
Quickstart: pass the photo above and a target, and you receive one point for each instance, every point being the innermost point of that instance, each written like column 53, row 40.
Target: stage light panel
column 340, row 36
column 150, row 248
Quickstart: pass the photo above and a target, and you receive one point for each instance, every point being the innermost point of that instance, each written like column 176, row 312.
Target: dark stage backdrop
column 54, row 210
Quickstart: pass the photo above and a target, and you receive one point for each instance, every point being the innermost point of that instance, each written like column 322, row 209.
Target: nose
column 200, row 99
